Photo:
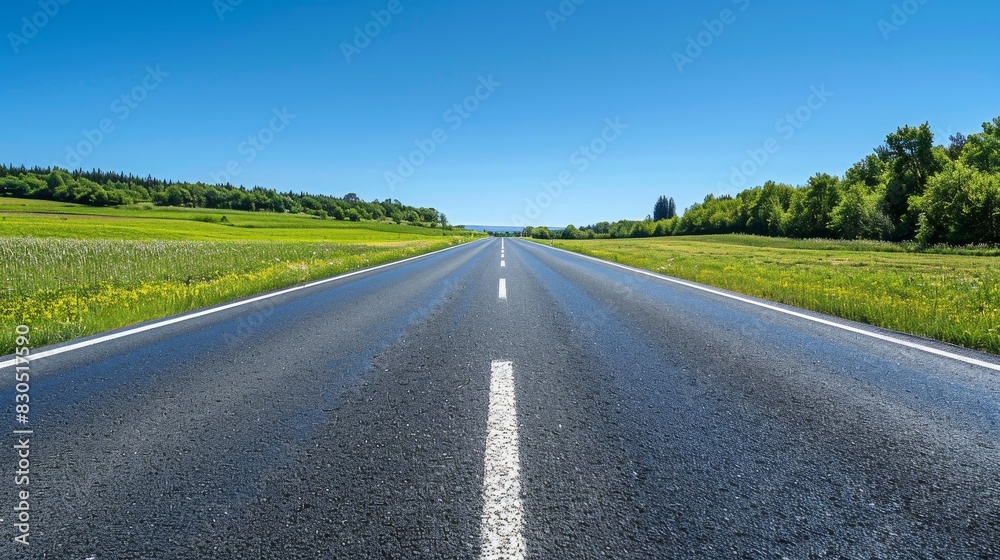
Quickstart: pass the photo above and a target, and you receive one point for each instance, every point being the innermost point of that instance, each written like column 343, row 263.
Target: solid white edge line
column 502, row 520
column 879, row 336
column 503, row 288
column 224, row 307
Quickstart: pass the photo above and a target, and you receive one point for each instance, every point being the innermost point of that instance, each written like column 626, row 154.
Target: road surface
column 515, row 402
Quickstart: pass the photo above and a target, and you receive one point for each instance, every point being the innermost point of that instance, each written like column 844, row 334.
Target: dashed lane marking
column 502, row 521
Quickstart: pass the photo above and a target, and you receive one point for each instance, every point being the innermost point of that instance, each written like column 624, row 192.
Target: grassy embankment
column 72, row 270
column 949, row 297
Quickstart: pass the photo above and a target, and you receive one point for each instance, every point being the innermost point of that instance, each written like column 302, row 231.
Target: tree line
column 907, row 189
column 102, row 188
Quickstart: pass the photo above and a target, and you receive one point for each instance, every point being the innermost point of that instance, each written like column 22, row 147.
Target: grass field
column 73, row 270
column 954, row 298
column 43, row 218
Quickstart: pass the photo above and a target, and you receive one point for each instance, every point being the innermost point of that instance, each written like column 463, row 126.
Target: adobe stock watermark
column 787, row 126
column 365, row 34
column 579, row 162
column 33, row 24
column 122, row 107
column 23, row 434
column 562, row 13
column 454, row 117
column 223, row 7
column 901, row 14
column 254, row 145
column 713, row 29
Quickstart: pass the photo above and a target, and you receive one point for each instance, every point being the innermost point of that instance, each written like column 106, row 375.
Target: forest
column 101, row 188
column 908, row 189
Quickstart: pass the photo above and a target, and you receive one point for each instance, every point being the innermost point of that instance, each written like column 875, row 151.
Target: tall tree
column 762, row 209
column 910, row 154
column 664, row 209
column 822, row 195
column 855, row 216
column 982, row 151
column 869, row 171
column 956, row 145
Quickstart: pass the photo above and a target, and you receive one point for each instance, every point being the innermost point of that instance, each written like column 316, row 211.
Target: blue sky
column 692, row 89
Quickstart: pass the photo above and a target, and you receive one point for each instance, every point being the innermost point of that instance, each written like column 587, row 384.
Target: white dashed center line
column 503, row 289
column 503, row 511
column 502, row 264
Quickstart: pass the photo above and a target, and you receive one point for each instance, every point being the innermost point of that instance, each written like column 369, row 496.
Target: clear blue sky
column 686, row 128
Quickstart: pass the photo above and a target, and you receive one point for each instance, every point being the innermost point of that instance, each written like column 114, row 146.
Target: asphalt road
column 412, row 412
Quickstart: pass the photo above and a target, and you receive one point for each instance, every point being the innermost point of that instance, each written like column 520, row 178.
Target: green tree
column 664, row 209
column 911, row 162
column 666, row 227
column 175, row 196
column 762, row 209
column 859, row 215
column 982, row 151
column 961, row 206
column 812, row 206
column 713, row 215
column 15, row 186
column 569, row 232
column 870, row 171
column 541, row 233
column 956, row 144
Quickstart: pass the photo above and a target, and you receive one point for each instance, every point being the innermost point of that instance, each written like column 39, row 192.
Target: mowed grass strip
column 953, row 298
column 64, row 285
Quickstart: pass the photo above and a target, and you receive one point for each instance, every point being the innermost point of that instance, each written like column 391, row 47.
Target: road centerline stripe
column 503, row 288
column 503, row 511
column 502, row 263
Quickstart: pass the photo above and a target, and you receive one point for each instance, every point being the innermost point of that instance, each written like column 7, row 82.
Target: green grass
column 72, row 270
column 43, row 218
column 950, row 297
column 863, row 245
